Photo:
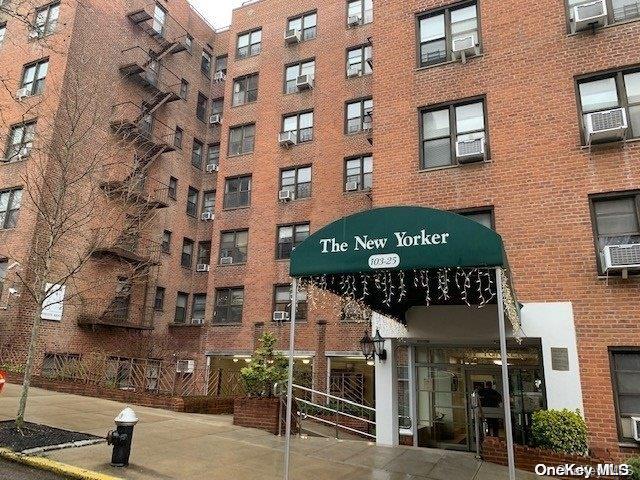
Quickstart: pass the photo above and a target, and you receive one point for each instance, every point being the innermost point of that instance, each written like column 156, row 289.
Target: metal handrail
column 334, row 397
column 337, row 425
column 333, row 410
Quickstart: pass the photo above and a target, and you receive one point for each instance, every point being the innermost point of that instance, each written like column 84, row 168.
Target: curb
column 63, row 469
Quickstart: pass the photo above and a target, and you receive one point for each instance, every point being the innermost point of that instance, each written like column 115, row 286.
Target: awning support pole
column 506, row 395
column 292, row 336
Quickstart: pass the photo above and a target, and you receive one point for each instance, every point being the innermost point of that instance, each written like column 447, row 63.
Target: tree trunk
column 28, row 368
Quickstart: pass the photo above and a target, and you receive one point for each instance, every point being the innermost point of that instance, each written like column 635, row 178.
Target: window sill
column 283, row 260
column 185, row 325
column 236, row 324
column 624, row 444
column 233, row 265
column 186, row 268
column 236, row 155
column 244, row 104
column 363, row 75
column 632, row 276
column 448, row 62
column 233, row 209
column 367, row 192
column 245, row 57
column 609, row 25
column 610, row 144
column 457, row 165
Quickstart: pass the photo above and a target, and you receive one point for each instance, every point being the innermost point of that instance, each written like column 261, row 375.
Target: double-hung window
column 166, row 241
column 289, row 237
column 182, row 300
column 301, row 124
column 204, row 253
column 359, row 115
column 158, row 301
column 616, row 221
column 360, row 171
column 205, row 63
column 249, row 44
column 209, row 202
column 198, row 308
column 221, row 65
column 438, row 30
column 305, row 24
column 47, row 19
column 159, row 19
column 292, row 72
column 617, row 10
column 10, row 201
column 217, row 105
column 613, row 90
column 242, row 139
column 282, row 301
column 234, row 245
column 229, row 303
column 297, row 181
column 192, row 202
column 237, row 192
column 245, row 89
column 187, row 253
column 33, row 77
column 213, row 154
column 201, row 107
column 173, row 188
column 196, row 154
column 625, row 376
column 360, row 10
column 443, row 127
column 20, row 141
column 359, row 61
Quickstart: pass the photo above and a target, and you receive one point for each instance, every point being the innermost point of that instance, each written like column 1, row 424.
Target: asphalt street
column 16, row 471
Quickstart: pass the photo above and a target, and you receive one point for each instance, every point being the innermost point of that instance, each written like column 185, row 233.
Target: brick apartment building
column 298, row 144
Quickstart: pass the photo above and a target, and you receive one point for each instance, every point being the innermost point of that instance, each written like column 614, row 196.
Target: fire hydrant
column 121, row 437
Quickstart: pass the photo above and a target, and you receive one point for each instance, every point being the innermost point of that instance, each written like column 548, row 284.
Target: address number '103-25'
column 384, row 260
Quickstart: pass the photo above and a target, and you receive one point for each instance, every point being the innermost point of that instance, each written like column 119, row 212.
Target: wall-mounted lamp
column 373, row 346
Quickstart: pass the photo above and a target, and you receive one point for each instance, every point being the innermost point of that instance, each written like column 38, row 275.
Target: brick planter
column 262, row 413
column 494, row 450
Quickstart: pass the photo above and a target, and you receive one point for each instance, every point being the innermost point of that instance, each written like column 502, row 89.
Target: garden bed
column 34, row 435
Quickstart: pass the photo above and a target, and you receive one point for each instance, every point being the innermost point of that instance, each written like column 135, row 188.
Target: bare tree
column 93, row 208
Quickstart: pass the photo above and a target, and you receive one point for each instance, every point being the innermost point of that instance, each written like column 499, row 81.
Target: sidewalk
column 182, row 446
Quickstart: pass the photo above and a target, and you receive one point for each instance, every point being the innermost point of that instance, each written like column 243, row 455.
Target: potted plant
column 261, row 409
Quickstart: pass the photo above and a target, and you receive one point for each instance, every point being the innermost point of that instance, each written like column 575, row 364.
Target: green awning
column 398, row 239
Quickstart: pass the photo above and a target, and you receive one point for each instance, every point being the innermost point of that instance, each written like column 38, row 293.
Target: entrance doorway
column 446, row 377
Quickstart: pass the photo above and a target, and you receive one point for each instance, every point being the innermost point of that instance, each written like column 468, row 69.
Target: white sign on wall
column 52, row 306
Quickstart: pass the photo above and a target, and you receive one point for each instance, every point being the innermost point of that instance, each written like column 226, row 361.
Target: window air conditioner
column 22, row 93
column 304, row 82
column 351, row 186
column 465, row 46
column 280, row 316
column 622, row 257
column 207, row 216
column 202, row 267
column 212, row 168
column 469, row 151
column 185, row 366
column 635, row 424
column 34, row 33
column 215, row 119
column 354, row 20
column 287, row 139
column 197, row 321
column 353, row 72
column 292, row 36
column 226, row 260
column 285, row 195
column 219, row 76
column 606, row 125
column 589, row 15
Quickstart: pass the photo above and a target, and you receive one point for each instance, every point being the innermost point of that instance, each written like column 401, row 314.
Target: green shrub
column 266, row 368
column 562, row 431
column 634, row 463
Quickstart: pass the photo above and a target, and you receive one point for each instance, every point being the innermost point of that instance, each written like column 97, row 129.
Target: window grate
column 625, row 255
column 608, row 120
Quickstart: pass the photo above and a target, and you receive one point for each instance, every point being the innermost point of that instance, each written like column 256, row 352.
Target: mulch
column 35, row 435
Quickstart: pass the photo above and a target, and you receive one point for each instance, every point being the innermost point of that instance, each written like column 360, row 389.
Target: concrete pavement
column 169, row 445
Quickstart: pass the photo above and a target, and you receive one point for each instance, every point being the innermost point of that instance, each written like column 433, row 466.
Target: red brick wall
column 262, row 413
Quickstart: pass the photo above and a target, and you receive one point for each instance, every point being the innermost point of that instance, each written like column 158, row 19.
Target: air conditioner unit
column 219, row 76
column 185, row 366
column 226, row 260
column 353, row 72
column 22, row 93
column 304, row 82
column 197, row 321
column 469, row 151
column 288, row 139
column 367, row 121
column 354, row 20
column 285, row 195
column 292, row 36
column 635, row 425
column 212, row 168
column 606, row 125
column 207, row 216
column 280, row 316
column 589, row 15
column 465, row 46
column 215, row 119
column 202, row 267
column 34, row 34
column 351, row 186
column 622, row 257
